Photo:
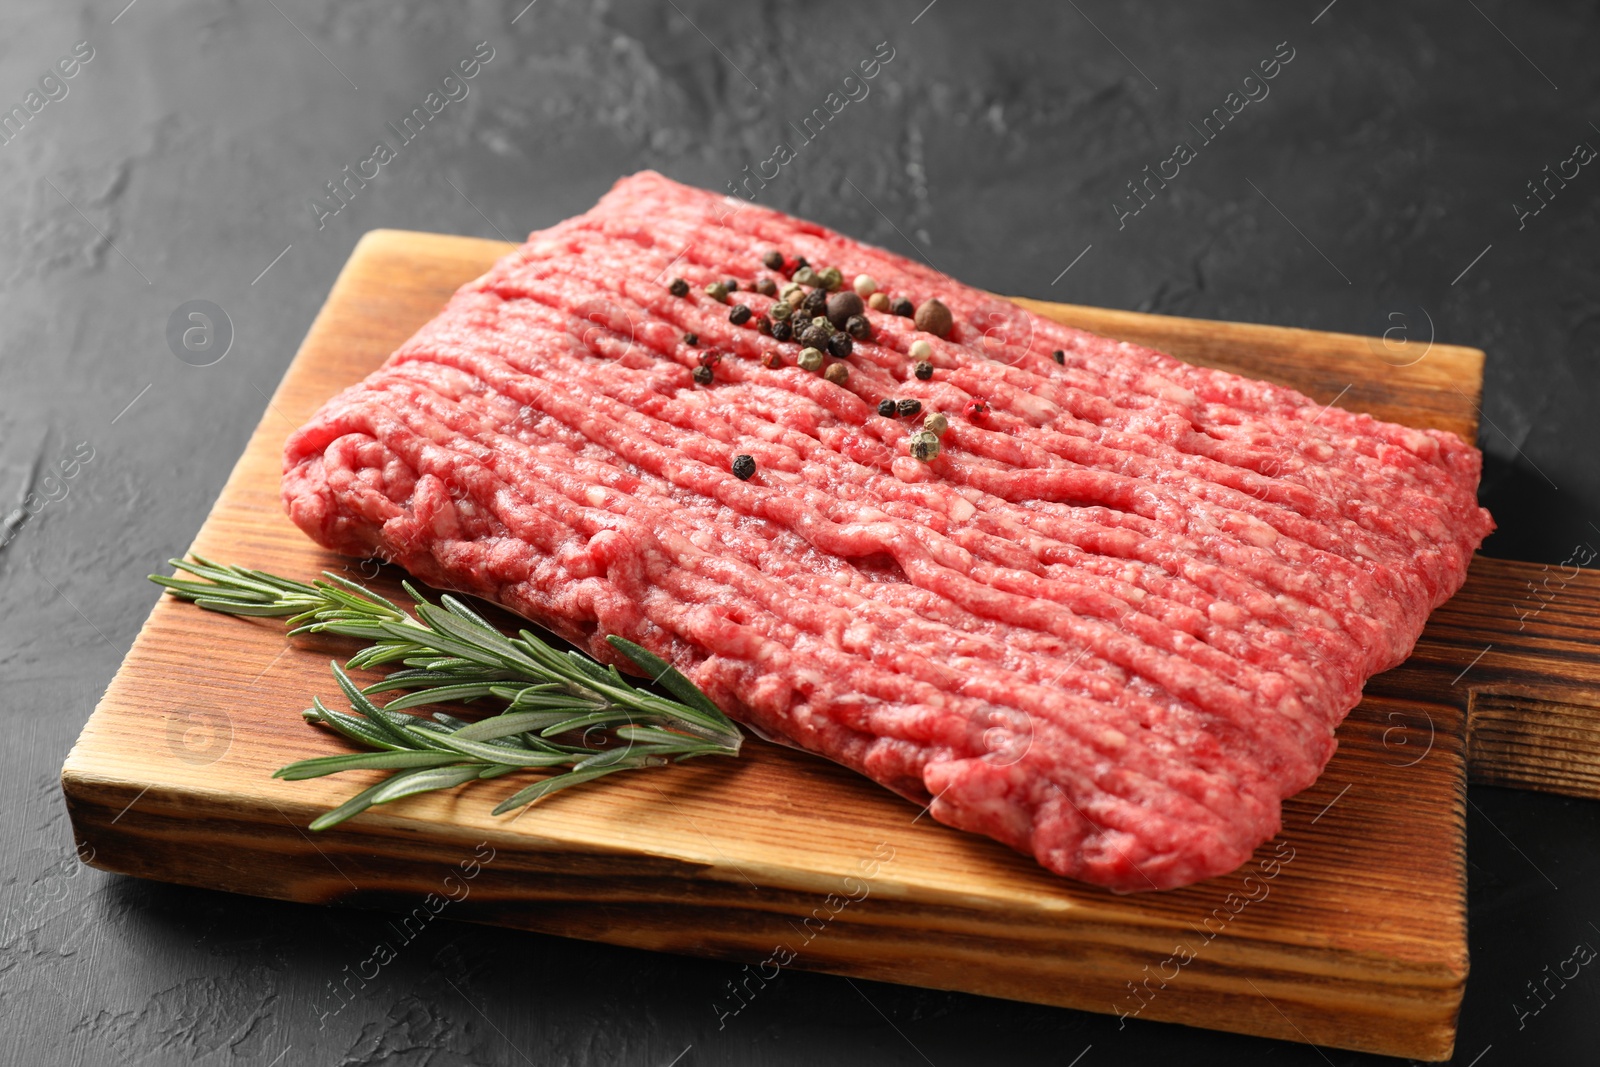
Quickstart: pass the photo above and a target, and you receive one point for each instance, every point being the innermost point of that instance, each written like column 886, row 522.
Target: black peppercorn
column 732, row 284
column 800, row 261
column 815, row 336
column 902, row 307
column 739, row 315
column 703, row 375
column 691, row 339
column 908, row 407
column 783, row 331
column 679, row 287
column 1059, row 356
column 858, row 327
column 841, row 346
column 887, row 408
column 766, row 287
column 923, row 370
column 773, row 260
column 815, row 303
column 743, row 467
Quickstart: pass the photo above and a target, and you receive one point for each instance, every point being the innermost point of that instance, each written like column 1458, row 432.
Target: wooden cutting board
column 780, row 859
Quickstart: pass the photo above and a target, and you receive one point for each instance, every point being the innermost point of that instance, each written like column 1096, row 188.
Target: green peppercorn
column 1059, row 356
column 902, row 307
column 923, row 370
column 806, row 276
column 773, row 260
column 832, row 279
column 679, row 287
column 782, row 330
column 841, row 346
column 691, row 339
column 703, row 375
column 936, row 424
column 837, row 373
column 887, row 408
column 924, row 446
column 859, row 327
column 766, row 287
column 908, row 407
column 739, row 315
column 718, row 291
column 779, row 310
column 743, row 467
column 810, row 359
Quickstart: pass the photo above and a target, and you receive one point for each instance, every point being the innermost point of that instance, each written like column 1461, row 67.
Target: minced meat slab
column 1112, row 623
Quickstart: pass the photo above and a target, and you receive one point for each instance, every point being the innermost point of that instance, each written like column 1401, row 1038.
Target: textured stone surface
column 186, row 153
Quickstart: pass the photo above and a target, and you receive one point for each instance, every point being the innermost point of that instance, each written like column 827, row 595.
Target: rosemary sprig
column 560, row 709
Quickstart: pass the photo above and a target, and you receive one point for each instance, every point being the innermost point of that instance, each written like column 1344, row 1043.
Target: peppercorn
column 865, row 285
column 743, row 467
column 832, row 278
column 732, row 284
column 702, row 375
column 1059, row 356
column 841, row 346
column 772, row 359
column 859, row 327
column 779, row 310
column 773, row 260
column 933, row 317
column 924, row 446
column 710, row 357
column 923, row 370
column 902, row 307
column 739, row 315
column 810, row 359
column 976, row 411
column 766, row 287
column 764, row 325
column 806, row 276
column 908, row 407
column 886, row 408
column 841, row 305
column 718, row 291
column 782, row 330
column 691, row 339
column 920, row 349
column 679, row 287
column 794, row 293
column 936, row 424
column 815, row 303
column 815, row 336
column 878, row 302
column 837, row 373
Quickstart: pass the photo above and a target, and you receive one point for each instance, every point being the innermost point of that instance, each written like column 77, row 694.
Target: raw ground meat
column 1112, row 624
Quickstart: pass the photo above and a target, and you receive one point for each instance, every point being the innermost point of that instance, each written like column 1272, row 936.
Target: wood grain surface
column 1347, row 930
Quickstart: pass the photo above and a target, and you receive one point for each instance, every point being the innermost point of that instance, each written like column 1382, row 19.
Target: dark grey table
column 1381, row 183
